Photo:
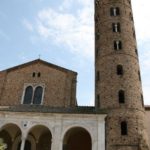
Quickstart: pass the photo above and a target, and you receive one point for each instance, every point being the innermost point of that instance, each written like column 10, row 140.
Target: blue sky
column 62, row 32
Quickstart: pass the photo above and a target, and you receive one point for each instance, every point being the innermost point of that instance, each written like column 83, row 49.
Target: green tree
column 3, row 146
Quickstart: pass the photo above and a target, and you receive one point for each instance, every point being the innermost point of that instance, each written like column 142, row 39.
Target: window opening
column 33, row 74
column 119, row 70
column 117, row 45
column 33, row 96
column 124, row 128
column 114, row 11
column 98, row 100
column 28, row 95
column 121, row 96
column 38, row 95
column 116, row 27
column 39, row 74
column 97, row 76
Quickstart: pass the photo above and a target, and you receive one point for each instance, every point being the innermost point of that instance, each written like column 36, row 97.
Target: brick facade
column 115, row 47
column 59, row 84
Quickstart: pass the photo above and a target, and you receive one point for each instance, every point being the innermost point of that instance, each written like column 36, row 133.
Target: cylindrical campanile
column 117, row 75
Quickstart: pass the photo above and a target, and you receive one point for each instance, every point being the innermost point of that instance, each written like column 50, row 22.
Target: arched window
column 131, row 17
column 28, row 95
column 142, row 99
column 97, row 52
column 139, row 75
column 114, row 11
column 116, row 27
column 97, row 76
column 136, row 51
column 97, row 35
column 121, row 96
column 39, row 74
column 117, row 45
column 38, row 95
column 33, row 74
column 119, row 70
column 98, row 100
column 124, row 128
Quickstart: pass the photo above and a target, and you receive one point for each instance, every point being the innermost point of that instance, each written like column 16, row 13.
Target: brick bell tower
column 117, row 76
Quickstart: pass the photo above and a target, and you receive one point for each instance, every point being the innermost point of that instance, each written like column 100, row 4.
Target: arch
column 9, row 132
column 41, row 137
column 28, row 95
column 77, row 138
column 38, row 95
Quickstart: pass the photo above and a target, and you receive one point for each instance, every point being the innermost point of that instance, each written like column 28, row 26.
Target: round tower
column 117, row 75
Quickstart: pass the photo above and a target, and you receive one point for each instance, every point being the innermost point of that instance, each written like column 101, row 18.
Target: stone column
column 56, row 135
column 23, row 140
column 101, row 134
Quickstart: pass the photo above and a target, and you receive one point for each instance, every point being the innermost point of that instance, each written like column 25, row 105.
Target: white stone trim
column 58, row 125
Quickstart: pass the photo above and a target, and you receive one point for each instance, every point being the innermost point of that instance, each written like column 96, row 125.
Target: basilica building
column 38, row 105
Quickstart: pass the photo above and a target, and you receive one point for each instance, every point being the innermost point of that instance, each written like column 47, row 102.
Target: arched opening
column 40, row 138
column 9, row 134
column 119, row 70
column 124, row 128
column 77, row 139
column 121, row 96
column 28, row 95
column 38, row 95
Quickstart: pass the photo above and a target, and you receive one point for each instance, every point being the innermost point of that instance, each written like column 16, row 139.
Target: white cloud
column 66, row 4
column 141, row 17
column 142, row 24
column 74, row 31
column 27, row 24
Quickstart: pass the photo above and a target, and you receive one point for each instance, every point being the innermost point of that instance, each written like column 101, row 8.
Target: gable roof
column 41, row 62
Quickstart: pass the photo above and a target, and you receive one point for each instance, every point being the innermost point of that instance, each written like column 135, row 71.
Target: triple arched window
column 33, row 95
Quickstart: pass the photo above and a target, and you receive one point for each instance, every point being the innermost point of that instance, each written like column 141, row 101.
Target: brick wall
column 59, row 85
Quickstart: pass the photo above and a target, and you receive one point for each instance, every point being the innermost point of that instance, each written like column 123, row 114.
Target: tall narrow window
column 97, row 52
column 97, row 76
column 39, row 74
column 136, row 51
column 114, row 11
column 97, row 36
column 121, row 96
column 28, row 95
column 139, row 75
column 117, row 45
column 33, row 74
column 116, row 27
column 131, row 17
column 124, row 128
column 38, row 95
column 98, row 100
column 142, row 99
column 119, row 70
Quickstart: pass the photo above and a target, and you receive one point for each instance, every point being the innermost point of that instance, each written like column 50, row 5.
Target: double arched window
column 33, row 95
